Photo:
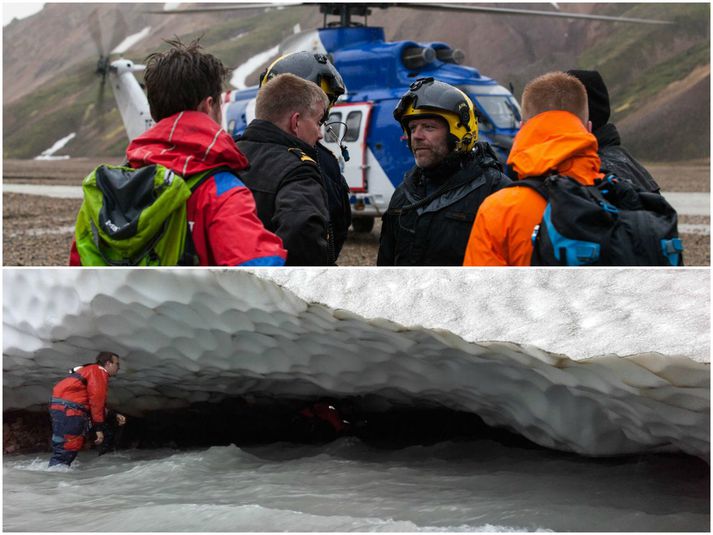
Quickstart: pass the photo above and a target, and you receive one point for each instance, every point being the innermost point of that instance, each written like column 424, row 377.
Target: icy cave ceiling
column 191, row 336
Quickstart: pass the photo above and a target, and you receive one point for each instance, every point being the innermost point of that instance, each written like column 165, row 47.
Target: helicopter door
column 350, row 122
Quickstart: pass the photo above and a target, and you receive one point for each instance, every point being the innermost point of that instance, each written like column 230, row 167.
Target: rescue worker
column 284, row 175
column 320, row 422
column 555, row 137
column 78, row 403
column 615, row 158
column 183, row 87
column 432, row 211
column 318, row 69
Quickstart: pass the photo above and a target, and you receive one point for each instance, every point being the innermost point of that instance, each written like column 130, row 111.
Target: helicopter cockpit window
column 501, row 110
column 353, row 124
column 332, row 134
column 500, row 107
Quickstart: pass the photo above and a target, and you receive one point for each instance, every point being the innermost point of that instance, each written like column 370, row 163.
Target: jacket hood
column 188, row 143
column 555, row 141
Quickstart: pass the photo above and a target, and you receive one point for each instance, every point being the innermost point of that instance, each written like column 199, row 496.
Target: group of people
column 457, row 205
column 277, row 196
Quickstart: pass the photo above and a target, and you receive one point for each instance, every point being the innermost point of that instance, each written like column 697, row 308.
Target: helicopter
column 360, row 129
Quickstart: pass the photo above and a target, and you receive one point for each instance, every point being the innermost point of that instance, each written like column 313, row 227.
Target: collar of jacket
column 469, row 176
column 77, row 368
column 261, row 131
column 437, row 176
column 607, row 136
column 555, row 141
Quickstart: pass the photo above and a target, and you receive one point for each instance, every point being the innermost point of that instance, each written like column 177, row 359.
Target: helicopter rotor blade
column 335, row 7
column 119, row 31
column 95, row 31
column 226, row 7
column 100, row 108
column 531, row 12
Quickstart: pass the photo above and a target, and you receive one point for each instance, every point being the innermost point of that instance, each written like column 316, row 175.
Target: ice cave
column 620, row 366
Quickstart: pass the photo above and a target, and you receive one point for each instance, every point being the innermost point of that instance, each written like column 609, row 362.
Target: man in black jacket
column 284, row 175
column 431, row 213
column 318, row 69
column 615, row 158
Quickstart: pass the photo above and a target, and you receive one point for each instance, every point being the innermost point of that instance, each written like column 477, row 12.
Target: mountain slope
column 657, row 75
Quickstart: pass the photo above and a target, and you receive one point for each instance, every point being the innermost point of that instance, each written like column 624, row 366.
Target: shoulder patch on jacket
column 301, row 155
column 225, row 181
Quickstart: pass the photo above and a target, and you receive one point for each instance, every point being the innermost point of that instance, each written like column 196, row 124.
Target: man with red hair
column 555, row 138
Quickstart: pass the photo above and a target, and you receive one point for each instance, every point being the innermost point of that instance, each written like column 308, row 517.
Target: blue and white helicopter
column 361, row 130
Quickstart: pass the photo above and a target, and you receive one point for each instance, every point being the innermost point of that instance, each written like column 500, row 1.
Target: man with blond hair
column 555, row 139
column 284, row 175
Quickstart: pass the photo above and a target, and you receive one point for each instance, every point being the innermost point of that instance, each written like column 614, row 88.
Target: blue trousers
column 69, row 426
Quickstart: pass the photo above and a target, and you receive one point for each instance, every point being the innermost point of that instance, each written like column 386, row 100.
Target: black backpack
column 612, row 223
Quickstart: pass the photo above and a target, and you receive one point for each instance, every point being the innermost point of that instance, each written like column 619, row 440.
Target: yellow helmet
column 427, row 97
column 313, row 67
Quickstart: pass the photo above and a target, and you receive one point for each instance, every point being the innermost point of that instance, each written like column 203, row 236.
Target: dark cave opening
column 249, row 421
column 234, row 421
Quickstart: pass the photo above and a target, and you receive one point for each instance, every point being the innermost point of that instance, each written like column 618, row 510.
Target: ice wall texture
column 195, row 335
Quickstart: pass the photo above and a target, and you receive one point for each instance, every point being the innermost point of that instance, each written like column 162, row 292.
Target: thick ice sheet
column 191, row 336
column 580, row 313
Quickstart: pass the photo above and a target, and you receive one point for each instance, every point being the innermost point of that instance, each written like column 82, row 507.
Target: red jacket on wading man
column 78, row 403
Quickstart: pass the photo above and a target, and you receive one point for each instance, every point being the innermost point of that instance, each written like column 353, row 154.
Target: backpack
column 612, row 223
column 136, row 217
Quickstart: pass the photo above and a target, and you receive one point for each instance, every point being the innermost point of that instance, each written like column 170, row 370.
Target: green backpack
column 136, row 217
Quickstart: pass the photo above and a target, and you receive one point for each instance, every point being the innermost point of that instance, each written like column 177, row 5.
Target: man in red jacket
column 183, row 87
column 79, row 403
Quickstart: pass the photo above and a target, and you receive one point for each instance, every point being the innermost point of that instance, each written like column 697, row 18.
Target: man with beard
column 432, row 211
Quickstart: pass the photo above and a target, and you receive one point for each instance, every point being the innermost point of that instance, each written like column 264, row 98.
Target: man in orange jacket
column 555, row 137
column 79, row 403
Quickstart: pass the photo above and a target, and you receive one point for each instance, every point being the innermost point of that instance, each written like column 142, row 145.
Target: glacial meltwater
column 348, row 485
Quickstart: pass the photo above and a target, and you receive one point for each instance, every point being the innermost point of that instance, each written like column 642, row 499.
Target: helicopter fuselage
column 377, row 73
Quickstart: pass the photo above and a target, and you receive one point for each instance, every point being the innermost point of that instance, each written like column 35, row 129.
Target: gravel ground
column 37, row 231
